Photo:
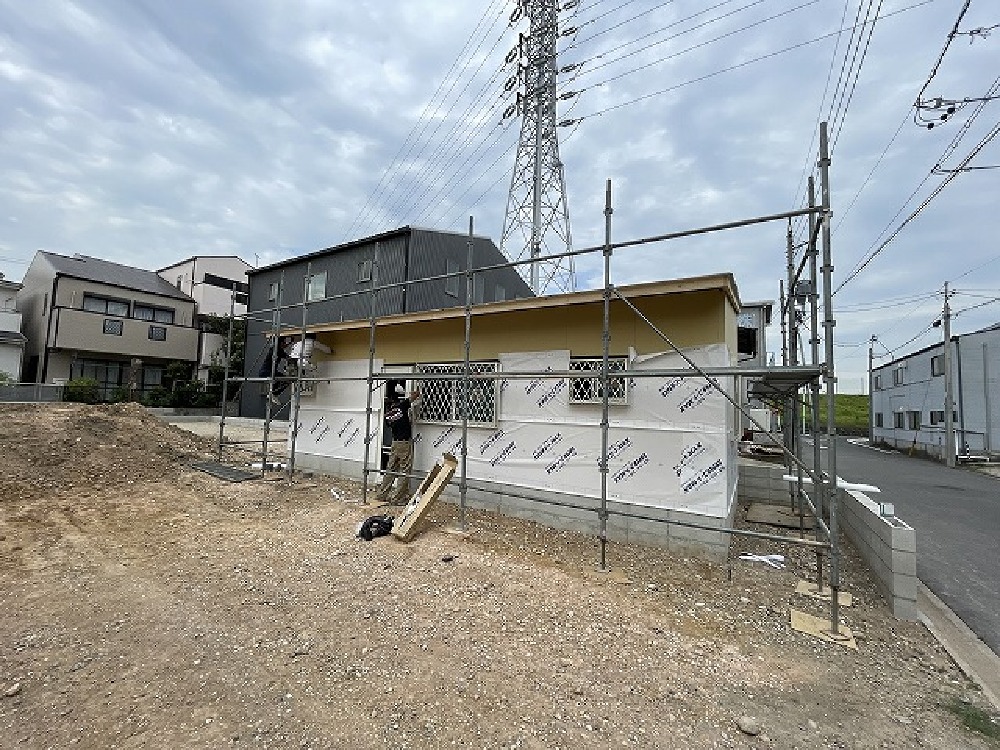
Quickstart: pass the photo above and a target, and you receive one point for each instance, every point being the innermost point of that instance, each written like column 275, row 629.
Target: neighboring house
column 211, row 281
column 908, row 396
column 86, row 317
column 11, row 338
column 339, row 279
column 671, row 444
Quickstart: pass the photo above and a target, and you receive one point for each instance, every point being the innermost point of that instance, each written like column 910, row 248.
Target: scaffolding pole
column 369, row 432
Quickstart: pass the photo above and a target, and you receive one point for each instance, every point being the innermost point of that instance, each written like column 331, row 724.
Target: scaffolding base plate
column 777, row 515
column 808, row 588
column 222, row 471
column 820, row 627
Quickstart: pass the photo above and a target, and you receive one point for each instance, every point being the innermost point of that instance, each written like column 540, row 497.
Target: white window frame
column 451, row 285
column 365, row 271
column 592, row 384
column 316, row 286
column 449, row 406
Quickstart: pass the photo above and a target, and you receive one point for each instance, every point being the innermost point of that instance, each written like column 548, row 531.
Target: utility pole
column 871, row 389
column 949, row 422
column 536, row 223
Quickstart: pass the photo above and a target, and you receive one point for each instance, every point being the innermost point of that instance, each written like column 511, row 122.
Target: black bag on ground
column 375, row 526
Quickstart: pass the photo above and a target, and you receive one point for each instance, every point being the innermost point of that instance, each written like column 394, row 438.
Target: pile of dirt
column 146, row 604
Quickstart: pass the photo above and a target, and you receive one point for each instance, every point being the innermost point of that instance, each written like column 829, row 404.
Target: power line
column 426, row 115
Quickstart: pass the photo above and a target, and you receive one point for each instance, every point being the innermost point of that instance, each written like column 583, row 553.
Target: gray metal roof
column 398, row 232
column 115, row 274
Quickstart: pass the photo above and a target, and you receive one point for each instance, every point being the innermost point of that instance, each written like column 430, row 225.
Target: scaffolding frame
column 782, row 385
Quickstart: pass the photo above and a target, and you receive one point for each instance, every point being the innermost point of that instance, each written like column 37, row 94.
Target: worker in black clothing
column 400, row 421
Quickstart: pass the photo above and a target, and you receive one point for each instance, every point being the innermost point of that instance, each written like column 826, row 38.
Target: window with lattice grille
column 588, row 389
column 441, row 400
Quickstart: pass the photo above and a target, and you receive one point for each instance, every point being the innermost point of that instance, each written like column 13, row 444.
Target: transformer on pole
column 536, row 222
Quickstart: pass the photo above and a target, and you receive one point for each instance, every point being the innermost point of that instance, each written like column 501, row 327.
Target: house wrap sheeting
column 669, row 446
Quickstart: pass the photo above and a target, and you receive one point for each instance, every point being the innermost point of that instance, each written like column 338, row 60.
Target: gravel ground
column 147, row 604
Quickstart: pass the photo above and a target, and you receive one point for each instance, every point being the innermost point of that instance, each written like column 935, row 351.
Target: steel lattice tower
column 536, row 223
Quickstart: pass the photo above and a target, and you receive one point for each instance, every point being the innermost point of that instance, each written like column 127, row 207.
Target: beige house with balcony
column 87, row 317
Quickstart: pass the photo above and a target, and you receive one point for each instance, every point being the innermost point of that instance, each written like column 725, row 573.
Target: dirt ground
column 146, row 604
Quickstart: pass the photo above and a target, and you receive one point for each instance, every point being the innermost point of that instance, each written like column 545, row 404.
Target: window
column 878, row 419
column 157, row 333
column 913, row 420
column 108, row 374
column 364, row 271
column 451, row 283
column 937, row 365
column 156, row 314
column 272, row 291
column 899, row 420
column 113, row 326
column 152, row 377
column 499, row 293
column 587, row 390
column 897, row 376
column 877, row 383
column 93, row 303
column 441, row 400
column 937, row 417
column 179, row 280
column 478, row 290
column 316, row 287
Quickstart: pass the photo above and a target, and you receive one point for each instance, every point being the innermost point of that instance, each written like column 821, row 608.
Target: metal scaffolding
column 784, row 386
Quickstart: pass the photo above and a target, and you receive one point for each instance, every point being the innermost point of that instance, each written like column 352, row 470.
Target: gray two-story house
column 87, row 317
column 336, row 281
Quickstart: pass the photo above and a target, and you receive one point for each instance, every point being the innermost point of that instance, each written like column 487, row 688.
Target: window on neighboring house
column 113, row 327
column 937, row 417
column 441, row 400
column 499, row 293
column 179, row 280
column 156, row 314
column 451, row 283
column 877, row 383
column 152, row 377
column 899, row 420
column 364, row 271
column 272, row 291
column 316, row 287
column 110, row 375
column 937, row 365
column 897, row 376
column 588, row 390
column 157, row 333
column 913, row 420
column 878, row 419
column 105, row 305
column 45, row 305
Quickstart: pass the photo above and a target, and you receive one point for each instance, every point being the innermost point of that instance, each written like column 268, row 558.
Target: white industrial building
column 908, row 397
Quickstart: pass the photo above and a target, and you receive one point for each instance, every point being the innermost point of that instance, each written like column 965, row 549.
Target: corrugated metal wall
column 411, row 254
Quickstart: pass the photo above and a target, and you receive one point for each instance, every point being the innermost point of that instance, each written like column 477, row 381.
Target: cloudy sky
column 147, row 131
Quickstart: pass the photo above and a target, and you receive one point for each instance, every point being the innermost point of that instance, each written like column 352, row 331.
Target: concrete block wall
column 886, row 543
column 627, row 522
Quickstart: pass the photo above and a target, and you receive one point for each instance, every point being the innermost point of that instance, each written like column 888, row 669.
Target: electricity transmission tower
column 536, row 223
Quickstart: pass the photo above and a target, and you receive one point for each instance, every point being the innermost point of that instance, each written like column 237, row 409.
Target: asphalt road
column 956, row 513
